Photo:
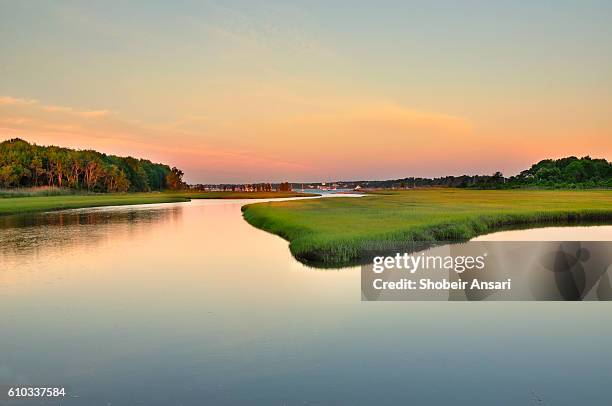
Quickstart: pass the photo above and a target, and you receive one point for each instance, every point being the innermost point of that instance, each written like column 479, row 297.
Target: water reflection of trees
column 38, row 234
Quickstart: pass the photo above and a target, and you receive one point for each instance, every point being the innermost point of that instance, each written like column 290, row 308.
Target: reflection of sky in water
column 187, row 302
column 587, row 233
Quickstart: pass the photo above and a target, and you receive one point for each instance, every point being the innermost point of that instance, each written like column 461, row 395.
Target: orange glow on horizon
column 366, row 141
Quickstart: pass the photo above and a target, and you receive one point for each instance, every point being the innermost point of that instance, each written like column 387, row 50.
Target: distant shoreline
column 25, row 205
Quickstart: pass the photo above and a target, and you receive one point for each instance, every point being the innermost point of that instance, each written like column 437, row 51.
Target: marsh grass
column 36, row 192
column 344, row 231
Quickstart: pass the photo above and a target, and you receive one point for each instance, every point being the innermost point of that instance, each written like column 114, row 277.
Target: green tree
column 174, row 179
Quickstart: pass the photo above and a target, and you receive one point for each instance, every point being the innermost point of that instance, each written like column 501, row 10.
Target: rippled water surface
column 188, row 304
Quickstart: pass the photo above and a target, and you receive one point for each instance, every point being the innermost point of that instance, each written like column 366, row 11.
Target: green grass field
column 335, row 231
column 16, row 205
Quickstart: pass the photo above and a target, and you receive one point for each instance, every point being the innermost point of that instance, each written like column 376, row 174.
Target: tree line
column 570, row 172
column 463, row 181
column 565, row 173
column 29, row 165
column 244, row 187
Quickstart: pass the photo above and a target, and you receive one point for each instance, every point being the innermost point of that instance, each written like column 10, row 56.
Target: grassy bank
column 35, row 192
column 340, row 231
column 16, row 205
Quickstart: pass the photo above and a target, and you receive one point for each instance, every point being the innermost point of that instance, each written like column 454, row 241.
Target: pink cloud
column 13, row 101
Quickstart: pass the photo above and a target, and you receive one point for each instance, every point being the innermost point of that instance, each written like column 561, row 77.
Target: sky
column 251, row 91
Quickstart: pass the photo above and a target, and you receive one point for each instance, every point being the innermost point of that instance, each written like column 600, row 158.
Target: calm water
column 188, row 304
